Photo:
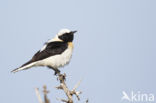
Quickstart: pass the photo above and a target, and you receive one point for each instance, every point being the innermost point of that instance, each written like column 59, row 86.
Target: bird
column 55, row 53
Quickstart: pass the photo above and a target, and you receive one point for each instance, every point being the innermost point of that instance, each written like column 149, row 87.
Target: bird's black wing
column 52, row 48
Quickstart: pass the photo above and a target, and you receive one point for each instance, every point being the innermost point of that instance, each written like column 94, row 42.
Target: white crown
column 63, row 31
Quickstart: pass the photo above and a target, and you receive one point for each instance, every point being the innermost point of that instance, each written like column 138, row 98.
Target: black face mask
column 67, row 37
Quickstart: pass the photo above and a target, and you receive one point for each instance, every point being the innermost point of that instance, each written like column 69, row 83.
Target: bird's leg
column 57, row 71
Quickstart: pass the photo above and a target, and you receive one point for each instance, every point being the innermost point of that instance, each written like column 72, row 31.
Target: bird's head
column 66, row 35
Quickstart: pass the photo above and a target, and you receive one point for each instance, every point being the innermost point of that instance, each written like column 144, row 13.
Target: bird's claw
column 57, row 72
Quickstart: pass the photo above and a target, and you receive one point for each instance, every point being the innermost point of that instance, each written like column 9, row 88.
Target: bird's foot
column 62, row 77
column 57, row 72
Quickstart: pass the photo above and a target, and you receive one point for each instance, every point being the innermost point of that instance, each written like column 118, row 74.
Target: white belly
column 57, row 60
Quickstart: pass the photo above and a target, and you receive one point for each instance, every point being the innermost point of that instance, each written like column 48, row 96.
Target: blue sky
column 114, row 48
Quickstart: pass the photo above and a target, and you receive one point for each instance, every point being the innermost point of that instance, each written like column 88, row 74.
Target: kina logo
column 137, row 96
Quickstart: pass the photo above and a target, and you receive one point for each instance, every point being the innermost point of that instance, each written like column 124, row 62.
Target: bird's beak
column 74, row 31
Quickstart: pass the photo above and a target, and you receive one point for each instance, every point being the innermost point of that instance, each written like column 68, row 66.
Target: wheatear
column 54, row 54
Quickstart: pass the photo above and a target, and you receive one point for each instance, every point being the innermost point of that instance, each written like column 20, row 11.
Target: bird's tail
column 27, row 65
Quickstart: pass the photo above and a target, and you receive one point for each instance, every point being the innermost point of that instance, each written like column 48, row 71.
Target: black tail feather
column 15, row 70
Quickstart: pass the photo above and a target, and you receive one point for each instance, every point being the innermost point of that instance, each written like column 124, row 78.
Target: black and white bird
column 56, row 52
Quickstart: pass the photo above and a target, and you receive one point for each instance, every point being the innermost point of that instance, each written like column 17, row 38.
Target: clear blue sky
column 115, row 47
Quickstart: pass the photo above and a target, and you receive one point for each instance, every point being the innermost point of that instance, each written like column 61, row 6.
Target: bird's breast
column 70, row 45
